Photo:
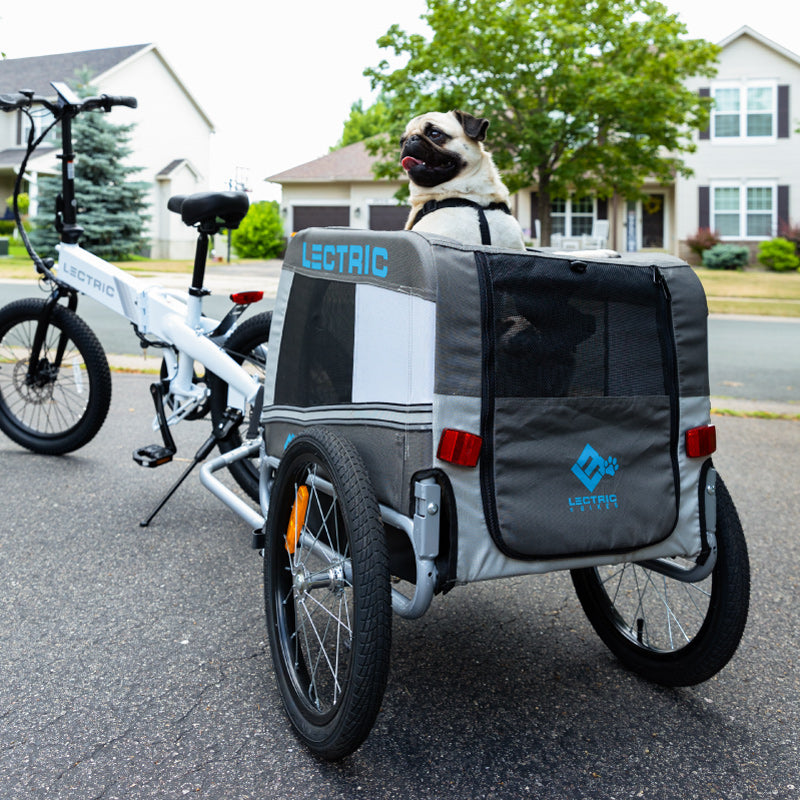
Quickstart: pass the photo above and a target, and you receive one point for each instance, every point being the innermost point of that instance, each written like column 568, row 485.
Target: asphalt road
column 134, row 664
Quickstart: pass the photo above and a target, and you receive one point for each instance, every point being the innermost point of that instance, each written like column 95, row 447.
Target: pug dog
column 456, row 190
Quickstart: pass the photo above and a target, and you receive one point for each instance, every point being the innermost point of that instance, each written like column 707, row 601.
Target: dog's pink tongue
column 410, row 161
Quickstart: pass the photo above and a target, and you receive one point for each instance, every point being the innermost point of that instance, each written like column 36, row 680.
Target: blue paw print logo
column 610, row 467
column 591, row 467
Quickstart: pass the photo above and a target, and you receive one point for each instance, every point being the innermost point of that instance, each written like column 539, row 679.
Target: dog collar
column 452, row 202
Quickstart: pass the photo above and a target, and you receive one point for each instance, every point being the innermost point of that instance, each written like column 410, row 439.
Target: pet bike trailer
column 436, row 414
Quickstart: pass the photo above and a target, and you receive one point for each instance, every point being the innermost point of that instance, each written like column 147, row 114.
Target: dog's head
column 437, row 147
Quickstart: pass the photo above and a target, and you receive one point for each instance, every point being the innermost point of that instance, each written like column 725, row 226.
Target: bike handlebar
column 19, row 100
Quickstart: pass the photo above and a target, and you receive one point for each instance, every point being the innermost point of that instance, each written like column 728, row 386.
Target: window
column 744, row 112
column 41, row 118
column 573, row 217
column 744, row 212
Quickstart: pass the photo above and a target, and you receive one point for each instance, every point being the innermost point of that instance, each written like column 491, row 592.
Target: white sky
column 277, row 77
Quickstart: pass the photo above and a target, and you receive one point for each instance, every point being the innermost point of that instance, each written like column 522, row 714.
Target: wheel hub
column 36, row 388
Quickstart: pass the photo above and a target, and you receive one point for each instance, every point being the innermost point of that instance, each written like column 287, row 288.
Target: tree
column 260, row 233
column 583, row 98
column 363, row 124
column 111, row 208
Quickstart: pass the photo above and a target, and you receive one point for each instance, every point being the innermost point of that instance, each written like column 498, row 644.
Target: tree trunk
column 545, row 221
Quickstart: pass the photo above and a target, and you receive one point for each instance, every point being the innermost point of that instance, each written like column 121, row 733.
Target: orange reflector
column 245, row 298
column 297, row 518
column 459, row 447
column 701, row 442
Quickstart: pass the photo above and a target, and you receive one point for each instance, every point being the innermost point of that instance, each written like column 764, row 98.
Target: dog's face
column 437, row 147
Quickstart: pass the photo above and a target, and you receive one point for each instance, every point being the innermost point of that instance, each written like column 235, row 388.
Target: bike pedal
column 154, row 455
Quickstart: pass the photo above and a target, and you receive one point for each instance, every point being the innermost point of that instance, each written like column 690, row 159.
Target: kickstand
column 222, row 430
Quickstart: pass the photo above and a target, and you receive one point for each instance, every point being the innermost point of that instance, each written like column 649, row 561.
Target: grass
column 752, row 291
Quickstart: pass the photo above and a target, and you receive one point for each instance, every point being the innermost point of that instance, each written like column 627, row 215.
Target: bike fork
column 40, row 333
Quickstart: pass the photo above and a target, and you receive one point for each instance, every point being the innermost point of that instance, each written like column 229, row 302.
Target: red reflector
column 459, row 447
column 245, row 298
column 701, row 442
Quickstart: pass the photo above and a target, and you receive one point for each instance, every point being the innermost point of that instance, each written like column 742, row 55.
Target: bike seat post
column 196, row 290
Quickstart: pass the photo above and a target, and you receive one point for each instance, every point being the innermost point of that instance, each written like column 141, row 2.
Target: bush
column 23, row 202
column 703, row 240
column 787, row 230
column 778, row 254
column 260, row 234
column 726, row 256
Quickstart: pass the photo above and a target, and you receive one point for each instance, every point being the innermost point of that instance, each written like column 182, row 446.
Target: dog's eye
column 436, row 134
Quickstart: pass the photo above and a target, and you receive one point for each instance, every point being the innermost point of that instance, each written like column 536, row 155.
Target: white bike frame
column 175, row 318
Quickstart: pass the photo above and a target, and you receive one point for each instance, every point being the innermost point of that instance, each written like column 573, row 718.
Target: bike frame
column 173, row 318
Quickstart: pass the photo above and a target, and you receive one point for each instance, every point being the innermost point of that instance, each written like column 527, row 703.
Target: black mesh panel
column 315, row 367
column 561, row 333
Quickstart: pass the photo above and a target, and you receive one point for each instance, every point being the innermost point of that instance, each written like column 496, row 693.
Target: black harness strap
column 454, row 202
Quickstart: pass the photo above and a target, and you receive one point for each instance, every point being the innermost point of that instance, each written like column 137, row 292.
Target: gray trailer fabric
column 581, row 377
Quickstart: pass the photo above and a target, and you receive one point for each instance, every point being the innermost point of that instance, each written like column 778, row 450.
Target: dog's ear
column 474, row 127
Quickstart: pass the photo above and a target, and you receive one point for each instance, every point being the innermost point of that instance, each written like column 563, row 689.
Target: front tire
column 328, row 601
column 61, row 404
column 667, row 631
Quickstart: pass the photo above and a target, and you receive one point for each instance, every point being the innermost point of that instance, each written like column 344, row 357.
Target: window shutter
column 783, row 207
column 704, row 198
column 602, row 208
column 783, row 112
column 705, row 92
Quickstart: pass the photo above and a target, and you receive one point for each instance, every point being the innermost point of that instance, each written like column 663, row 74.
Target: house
column 746, row 178
column 171, row 139
column 339, row 189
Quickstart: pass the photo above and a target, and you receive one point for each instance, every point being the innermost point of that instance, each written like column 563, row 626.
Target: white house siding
column 167, row 126
column 747, row 59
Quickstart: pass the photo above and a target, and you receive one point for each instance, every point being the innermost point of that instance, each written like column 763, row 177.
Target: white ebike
column 55, row 382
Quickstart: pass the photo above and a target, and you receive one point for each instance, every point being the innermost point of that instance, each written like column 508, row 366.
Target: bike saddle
column 209, row 207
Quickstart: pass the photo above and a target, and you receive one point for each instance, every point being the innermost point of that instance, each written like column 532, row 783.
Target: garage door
column 388, row 218
column 314, row 216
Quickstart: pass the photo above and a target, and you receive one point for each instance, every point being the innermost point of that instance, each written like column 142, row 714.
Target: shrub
column 260, row 234
column 23, row 201
column 787, row 230
column 778, row 254
column 703, row 240
column 726, row 256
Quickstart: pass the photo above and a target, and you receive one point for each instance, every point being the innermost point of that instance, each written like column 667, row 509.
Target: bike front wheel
column 58, row 404
column 327, row 595
column 247, row 346
column 668, row 631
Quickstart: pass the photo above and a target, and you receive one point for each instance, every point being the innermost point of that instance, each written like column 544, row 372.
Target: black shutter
column 783, row 206
column 704, row 201
column 602, row 208
column 783, row 112
column 705, row 92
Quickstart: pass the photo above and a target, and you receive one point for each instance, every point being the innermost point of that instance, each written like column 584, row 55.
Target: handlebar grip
column 130, row 102
column 11, row 102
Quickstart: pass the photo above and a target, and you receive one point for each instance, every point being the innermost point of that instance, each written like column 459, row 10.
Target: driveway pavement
column 134, row 663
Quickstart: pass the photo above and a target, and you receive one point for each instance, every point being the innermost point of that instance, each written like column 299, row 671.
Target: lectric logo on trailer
column 590, row 469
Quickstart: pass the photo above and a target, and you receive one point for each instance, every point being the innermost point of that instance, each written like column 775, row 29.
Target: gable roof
column 167, row 172
column 36, row 72
column 350, row 163
column 746, row 30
